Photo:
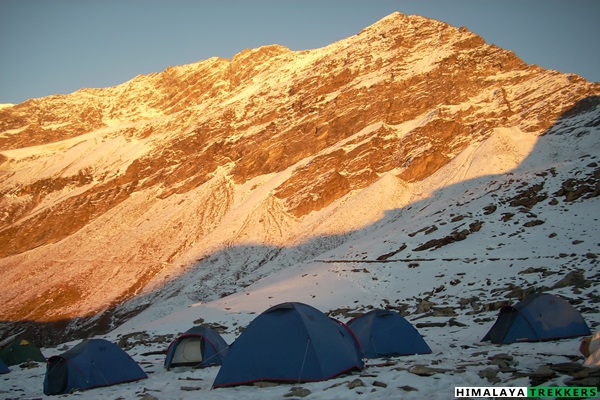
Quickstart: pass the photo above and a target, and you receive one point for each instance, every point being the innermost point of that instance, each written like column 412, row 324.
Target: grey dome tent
column 199, row 346
column 537, row 317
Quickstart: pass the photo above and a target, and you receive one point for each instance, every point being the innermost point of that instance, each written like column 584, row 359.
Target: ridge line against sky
column 60, row 46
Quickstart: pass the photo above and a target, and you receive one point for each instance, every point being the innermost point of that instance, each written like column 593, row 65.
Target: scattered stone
column 443, row 311
column 133, row 339
column 423, row 370
column 454, row 322
column 265, row 384
column 29, row 365
column 355, row 383
column 455, row 236
column 424, row 306
column 345, row 312
column 490, row 374
column 501, row 356
column 297, row 392
column 529, row 197
column 574, row 189
column 589, row 381
column 567, row 368
column 517, row 292
column 190, row 388
column 336, row 385
column 533, row 223
column 217, row 327
column 384, row 257
column 379, row 384
column 489, row 209
column 474, row 302
column 475, row 226
column 503, row 365
column 412, row 234
column 148, row 396
column 363, row 375
column 544, row 271
column 430, row 324
column 400, row 308
column 388, row 363
column 431, row 230
column 541, row 375
column 496, row 305
column 573, row 278
column 407, row 388
column 153, row 353
column 507, row 216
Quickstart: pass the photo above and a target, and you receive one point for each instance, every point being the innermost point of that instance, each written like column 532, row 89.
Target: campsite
column 268, row 225
column 281, row 349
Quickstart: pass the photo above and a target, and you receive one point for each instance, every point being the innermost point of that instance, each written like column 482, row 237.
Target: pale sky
column 59, row 46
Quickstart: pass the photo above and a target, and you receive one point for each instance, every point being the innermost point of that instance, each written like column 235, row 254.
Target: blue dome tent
column 290, row 342
column 537, row 317
column 383, row 333
column 92, row 363
column 199, row 346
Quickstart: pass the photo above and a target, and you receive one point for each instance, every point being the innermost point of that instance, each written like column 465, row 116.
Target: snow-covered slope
column 410, row 166
column 512, row 215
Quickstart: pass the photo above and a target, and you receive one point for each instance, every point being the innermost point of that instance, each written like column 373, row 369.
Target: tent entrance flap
column 189, row 351
column 57, row 376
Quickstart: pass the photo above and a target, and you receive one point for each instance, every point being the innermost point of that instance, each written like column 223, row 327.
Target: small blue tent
column 92, row 363
column 537, row 317
column 290, row 342
column 199, row 346
column 383, row 333
column 3, row 367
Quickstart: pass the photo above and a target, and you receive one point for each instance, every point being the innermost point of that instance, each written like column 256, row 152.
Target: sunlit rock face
column 108, row 194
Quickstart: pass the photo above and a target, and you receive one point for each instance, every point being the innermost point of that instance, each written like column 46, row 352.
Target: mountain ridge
column 124, row 192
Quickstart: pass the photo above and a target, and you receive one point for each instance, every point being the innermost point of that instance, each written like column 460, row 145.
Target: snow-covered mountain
column 409, row 164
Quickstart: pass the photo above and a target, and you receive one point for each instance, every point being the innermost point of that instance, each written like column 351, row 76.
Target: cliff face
column 110, row 193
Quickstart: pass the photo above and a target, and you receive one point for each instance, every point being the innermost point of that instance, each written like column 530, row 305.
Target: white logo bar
column 494, row 391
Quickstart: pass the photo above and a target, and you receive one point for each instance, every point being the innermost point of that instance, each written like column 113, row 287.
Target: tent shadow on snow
column 56, row 332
